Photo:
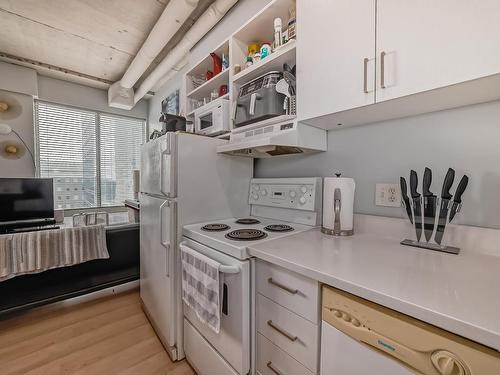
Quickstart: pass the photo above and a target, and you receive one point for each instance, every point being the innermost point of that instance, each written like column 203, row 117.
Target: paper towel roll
column 346, row 187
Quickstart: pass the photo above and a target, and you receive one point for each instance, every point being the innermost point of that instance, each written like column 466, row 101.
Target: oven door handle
column 229, row 269
column 222, row 268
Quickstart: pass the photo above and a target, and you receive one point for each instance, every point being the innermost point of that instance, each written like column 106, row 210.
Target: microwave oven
column 212, row 118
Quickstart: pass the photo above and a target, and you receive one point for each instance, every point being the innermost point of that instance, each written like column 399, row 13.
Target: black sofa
column 28, row 291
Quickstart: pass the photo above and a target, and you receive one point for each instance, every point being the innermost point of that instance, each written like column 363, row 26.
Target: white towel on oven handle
column 202, row 284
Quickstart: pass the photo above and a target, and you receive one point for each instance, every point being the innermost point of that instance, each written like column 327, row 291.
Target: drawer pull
column 281, row 286
column 281, row 331
column 273, row 369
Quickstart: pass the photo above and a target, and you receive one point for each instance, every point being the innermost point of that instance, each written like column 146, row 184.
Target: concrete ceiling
column 91, row 41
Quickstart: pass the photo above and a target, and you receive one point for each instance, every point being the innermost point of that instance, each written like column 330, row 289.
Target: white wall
column 17, row 78
column 155, row 102
column 25, row 84
column 466, row 139
column 64, row 92
column 21, row 84
column 233, row 20
column 23, row 167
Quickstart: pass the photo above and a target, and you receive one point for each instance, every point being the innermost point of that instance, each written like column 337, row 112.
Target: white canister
column 338, row 206
column 59, row 216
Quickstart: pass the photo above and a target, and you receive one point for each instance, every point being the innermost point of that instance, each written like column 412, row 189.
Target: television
column 26, row 200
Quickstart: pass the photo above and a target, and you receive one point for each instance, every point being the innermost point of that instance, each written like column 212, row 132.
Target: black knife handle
column 447, row 183
column 414, row 184
column 404, row 188
column 462, row 185
column 426, row 183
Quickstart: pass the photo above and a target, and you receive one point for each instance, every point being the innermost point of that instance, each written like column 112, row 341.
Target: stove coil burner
column 247, row 221
column 278, row 228
column 246, row 235
column 215, row 227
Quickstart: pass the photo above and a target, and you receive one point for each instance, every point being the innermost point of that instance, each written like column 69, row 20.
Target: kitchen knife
column 417, row 204
column 445, row 203
column 430, row 203
column 405, row 199
column 457, row 199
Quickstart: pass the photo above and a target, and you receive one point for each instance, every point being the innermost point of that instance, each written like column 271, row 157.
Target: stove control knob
column 263, row 192
column 447, row 363
column 337, row 313
column 293, row 193
column 346, row 317
column 303, row 189
column 355, row 322
column 255, row 196
column 302, row 200
column 256, row 187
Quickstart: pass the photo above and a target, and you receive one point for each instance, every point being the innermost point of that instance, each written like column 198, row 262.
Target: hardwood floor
column 109, row 336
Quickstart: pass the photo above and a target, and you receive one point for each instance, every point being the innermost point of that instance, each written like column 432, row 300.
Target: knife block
column 429, row 245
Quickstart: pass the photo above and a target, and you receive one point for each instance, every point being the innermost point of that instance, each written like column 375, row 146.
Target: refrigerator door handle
column 165, row 244
column 162, row 173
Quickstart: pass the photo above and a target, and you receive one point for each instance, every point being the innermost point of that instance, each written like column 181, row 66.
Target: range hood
column 278, row 136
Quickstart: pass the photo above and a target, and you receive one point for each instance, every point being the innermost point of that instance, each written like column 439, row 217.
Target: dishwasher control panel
column 401, row 337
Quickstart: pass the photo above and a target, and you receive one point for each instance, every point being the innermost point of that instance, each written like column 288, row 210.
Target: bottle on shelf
column 278, row 33
column 265, row 50
column 249, row 62
column 291, row 31
column 217, row 63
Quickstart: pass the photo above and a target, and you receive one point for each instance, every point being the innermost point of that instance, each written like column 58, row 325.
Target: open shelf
column 199, row 70
column 260, row 28
column 204, row 90
column 274, row 61
column 206, row 63
column 191, row 113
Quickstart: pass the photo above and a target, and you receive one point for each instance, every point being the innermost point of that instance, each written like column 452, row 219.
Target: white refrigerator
column 183, row 181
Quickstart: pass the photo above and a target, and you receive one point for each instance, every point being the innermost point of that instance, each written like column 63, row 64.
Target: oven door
column 233, row 340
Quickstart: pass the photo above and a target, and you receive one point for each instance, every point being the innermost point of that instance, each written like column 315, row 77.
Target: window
column 89, row 153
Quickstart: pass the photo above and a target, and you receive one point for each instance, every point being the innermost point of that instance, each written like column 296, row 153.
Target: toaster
column 258, row 100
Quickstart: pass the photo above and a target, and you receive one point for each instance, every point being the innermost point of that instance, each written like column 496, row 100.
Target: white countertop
column 459, row 293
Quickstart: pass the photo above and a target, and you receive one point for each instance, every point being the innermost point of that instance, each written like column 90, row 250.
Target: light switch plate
column 388, row 195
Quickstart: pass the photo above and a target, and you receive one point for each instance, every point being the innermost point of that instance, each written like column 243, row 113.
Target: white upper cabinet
column 423, row 56
column 335, row 56
column 430, row 44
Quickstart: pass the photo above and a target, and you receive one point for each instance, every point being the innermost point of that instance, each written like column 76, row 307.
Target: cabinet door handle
column 382, row 69
column 281, row 286
column 365, row 75
column 281, row 331
column 273, row 369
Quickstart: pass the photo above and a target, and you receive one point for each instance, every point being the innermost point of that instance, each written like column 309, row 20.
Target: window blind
column 120, row 139
column 67, row 153
column 90, row 155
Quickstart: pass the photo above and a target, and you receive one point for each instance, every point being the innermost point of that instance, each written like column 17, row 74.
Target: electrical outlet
column 388, row 195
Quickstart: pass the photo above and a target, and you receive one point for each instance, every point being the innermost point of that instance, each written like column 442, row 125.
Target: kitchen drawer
column 271, row 360
column 202, row 356
column 289, row 289
column 295, row 335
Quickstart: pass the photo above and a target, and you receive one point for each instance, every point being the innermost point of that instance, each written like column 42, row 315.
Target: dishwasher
column 362, row 338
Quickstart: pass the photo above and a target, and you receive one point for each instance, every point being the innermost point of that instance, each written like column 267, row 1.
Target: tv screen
column 26, row 199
